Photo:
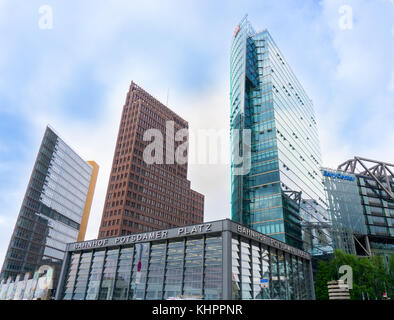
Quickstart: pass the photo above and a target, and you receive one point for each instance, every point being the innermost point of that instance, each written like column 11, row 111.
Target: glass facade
column 282, row 195
column 52, row 210
column 362, row 213
column 345, row 209
column 186, row 267
column 378, row 207
column 28, row 286
column 189, row 267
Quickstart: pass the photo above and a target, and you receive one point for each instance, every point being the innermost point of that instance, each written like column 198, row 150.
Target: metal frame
column 380, row 171
column 293, row 195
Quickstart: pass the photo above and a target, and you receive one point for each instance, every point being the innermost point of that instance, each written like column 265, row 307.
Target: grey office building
column 360, row 194
column 213, row 260
column 55, row 208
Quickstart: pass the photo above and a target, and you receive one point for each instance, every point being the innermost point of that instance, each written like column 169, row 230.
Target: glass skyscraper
column 55, row 209
column 282, row 195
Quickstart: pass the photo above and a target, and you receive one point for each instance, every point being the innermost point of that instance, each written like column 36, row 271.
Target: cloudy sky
column 75, row 75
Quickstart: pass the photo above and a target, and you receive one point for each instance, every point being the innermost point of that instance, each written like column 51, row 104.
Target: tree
column 323, row 276
column 370, row 278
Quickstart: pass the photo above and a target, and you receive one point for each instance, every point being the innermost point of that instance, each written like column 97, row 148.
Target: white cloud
column 209, row 110
column 97, row 142
column 3, row 220
column 357, row 104
column 342, row 70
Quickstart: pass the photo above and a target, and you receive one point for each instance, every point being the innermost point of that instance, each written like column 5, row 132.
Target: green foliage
column 369, row 276
column 323, row 276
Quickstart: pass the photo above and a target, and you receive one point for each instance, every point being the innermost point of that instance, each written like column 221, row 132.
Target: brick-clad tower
column 141, row 196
